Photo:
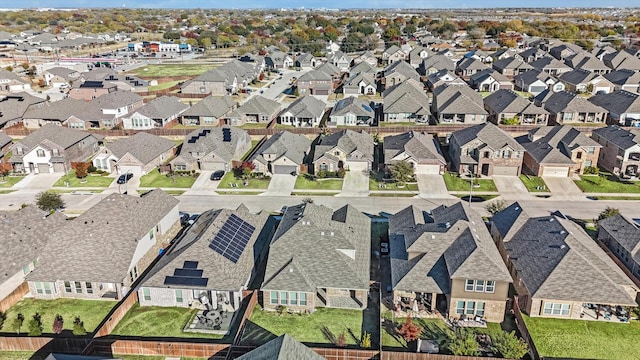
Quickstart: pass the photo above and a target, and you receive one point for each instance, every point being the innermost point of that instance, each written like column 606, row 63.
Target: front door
column 485, row 169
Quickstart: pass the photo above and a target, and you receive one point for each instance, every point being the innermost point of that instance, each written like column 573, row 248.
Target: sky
column 329, row 4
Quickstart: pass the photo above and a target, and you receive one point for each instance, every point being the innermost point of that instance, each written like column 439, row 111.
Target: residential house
column 477, row 54
column 319, row 81
column 406, row 102
column 505, row 106
column 457, row 104
column 51, row 112
column 416, row 55
column 502, row 54
column 559, row 151
column 535, row 82
column 489, row 80
column 158, row 113
column 363, row 68
column 550, row 65
column 564, row 51
column 562, row 254
column 25, row 233
column 5, row 144
column 444, row 261
column 278, row 60
column 52, row 149
column 13, row 107
column 346, row 149
column 467, row 67
column 367, row 57
column 587, row 62
column 12, row 83
column 105, row 111
column 624, row 80
column 351, row 111
column 209, row 111
column 443, row 77
column 511, row 66
column 419, row 149
column 224, row 80
column 339, row 60
column 282, row 153
column 284, row 347
column 212, row 148
column 623, row 107
column 399, row 72
column 620, row 152
column 306, row 111
column 485, row 150
column 60, row 77
column 622, row 236
column 568, row 108
column 139, row 154
column 89, row 90
column 258, row 109
column 318, row 257
column 361, row 83
column 211, row 265
column 532, row 54
column 435, row 63
column 393, row 54
column 581, row 81
column 306, row 61
column 109, row 246
column 621, row 60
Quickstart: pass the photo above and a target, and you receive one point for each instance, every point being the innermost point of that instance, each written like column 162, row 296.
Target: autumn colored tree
column 247, row 168
column 81, row 169
column 409, row 331
column 58, row 323
column 5, row 168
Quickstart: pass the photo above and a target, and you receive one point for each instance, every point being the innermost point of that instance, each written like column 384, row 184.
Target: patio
column 596, row 312
column 211, row 322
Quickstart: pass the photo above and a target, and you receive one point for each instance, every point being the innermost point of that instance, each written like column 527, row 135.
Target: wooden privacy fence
column 43, row 344
column 15, row 296
column 108, row 347
column 117, row 314
column 524, row 332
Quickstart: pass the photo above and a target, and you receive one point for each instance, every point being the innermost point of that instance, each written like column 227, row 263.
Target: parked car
column 184, row 218
column 217, row 175
column 193, row 218
column 124, row 178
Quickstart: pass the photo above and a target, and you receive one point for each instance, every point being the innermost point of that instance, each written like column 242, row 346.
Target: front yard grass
column 229, row 178
column 455, row 183
column 303, row 183
column 91, row 312
column 9, row 181
column 159, row 321
column 606, row 183
column 376, row 182
column 314, row 328
column 172, row 70
column 583, row 339
column 156, row 180
column 533, row 183
column 163, row 86
column 251, row 125
column 97, row 181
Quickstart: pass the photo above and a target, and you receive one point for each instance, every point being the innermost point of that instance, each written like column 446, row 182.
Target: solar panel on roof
column 232, row 238
column 188, row 272
column 188, row 281
column 190, row 265
column 226, row 135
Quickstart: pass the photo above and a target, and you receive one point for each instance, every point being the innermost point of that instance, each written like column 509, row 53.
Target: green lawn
column 91, row 312
column 315, row 328
column 455, row 183
column 173, row 70
column 22, row 355
column 156, row 180
column 431, row 329
column 9, row 181
column 229, row 179
column 533, row 182
column 583, row 339
column 251, row 125
column 163, row 86
column 376, row 182
column 302, row 183
column 89, row 181
column 606, row 183
column 158, row 321
column 405, row 123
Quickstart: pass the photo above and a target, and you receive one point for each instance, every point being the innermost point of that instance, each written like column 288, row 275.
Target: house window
column 89, row 287
column 579, row 155
column 506, row 154
column 19, row 150
column 303, row 299
column 274, row 297
column 55, row 152
column 67, row 286
column 47, row 288
column 480, row 308
column 567, row 116
column 470, row 308
column 39, row 288
column 591, row 150
column 324, row 167
column 490, row 287
column 146, row 294
column 78, row 287
column 479, row 285
column 283, row 298
column 179, row 296
column 336, row 153
column 40, row 153
column 151, row 234
column 556, row 309
column 293, row 298
column 469, row 285
column 486, row 154
column 26, row 269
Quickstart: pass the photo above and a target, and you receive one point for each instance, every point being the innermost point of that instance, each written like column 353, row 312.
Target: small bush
column 341, row 173
column 3, row 317
column 591, row 170
column 78, row 327
column 341, row 341
column 92, row 169
column 35, row 325
column 58, row 323
column 366, row 340
column 17, row 323
column 280, row 309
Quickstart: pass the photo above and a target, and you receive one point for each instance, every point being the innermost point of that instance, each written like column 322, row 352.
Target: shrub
column 464, row 343
column 48, row 200
column 496, row 206
column 58, row 323
column 509, row 345
column 93, row 169
column 366, row 340
column 341, row 173
column 35, row 325
column 409, row 331
column 341, row 341
column 3, row 317
column 17, row 323
column 591, row 170
column 280, row 309
column 78, row 327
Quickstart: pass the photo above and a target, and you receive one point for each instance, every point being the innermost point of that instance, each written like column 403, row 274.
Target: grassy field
column 302, row 183
column 582, row 339
column 533, row 182
column 229, row 179
column 91, row 312
column 455, row 183
column 154, row 179
column 9, row 181
column 606, row 183
column 163, row 86
column 318, row 327
column 172, row 70
column 253, row 126
column 431, row 329
column 90, row 181
column 21, row 355
column 156, row 321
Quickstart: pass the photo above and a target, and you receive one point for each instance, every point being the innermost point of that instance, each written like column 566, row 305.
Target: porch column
column 434, row 296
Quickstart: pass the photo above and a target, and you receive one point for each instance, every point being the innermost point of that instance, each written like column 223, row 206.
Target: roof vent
column 433, row 236
column 551, row 220
column 290, row 270
column 562, row 232
column 322, row 233
column 517, row 208
column 447, row 224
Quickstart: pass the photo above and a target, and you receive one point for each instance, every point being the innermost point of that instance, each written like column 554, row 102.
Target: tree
column 81, row 169
column 607, row 213
column 49, row 201
column 5, row 168
column 508, row 345
column 495, row 207
column 9, row 68
column 401, row 171
column 17, row 323
column 78, row 327
column 3, row 317
column 35, row 325
column 58, row 323
column 25, row 65
column 464, row 343
column 409, row 331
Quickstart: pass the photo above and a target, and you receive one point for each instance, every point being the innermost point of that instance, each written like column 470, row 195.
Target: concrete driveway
column 432, row 186
column 356, row 183
column 37, row 182
column 510, row 187
column 563, row 188
column 281, row 185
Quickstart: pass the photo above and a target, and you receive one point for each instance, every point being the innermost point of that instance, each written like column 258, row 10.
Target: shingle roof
column 116, row 99
column 556, row 259
column 621, row 60
column 211, row 106
column 489, row 134
column 362, row 67
column 459, row 99
column 481, row 76
column 471, row 64
column 229, row 71
column 429, row 249
column 4, row 139
column 56, row 110
column 439, row 62
column 624, row 77
column 419, row 145
column 406, row 97
column 306, row 107
column 511, row 63
column 142, row 146
column 403, row 68
column 24, row 235
column 507, row 101
column 223, row 274
column 208, row 140
column 324, row 72
column 283, row 347
column 565, row 101
column 348, row 141
column 625, row 233
column 618, row 102
column 315, row 246
column 352, row 105
column 293, row 146
column 549, row 62
column 577, row 76
column 529, row 77
column 59, row 135
column 162, row 108
column 622, row 138
column 99, row 245
column 257, row 105
column 14, row 106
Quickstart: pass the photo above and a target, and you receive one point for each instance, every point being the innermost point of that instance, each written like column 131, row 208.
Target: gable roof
column 216, row 106
column 438, row 62
column 54, row 110
column 508, row 101
column 162, row 108
column 618, row 102
column 283, row 347
column 348, row 141
column 481, row 76
column 487, row 133
column 363, row 67
column 116, row 99
column 207, row 140
column 565, row 101
column 511, row 63
column 227, row 72
column 292, row 146
column 624, row 77
column 471, row 64
column 419, row 145
column 324, row 72
column 306, row 107
column 406, row 97
column 59, row 135
column 549, row 62
column 527, row 78
column 315, row 246
column 623, row 138
column 555, row 259
column 352, row 105
column 98, row 245
column 14, row 106
column 257, row 105
column 460, row 99
column 403, row 68
column 625, row 233
column 577, row 76
column 143, row 146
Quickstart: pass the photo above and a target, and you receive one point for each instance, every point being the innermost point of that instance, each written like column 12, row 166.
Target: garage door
column 427, row 169
column 58, row 167
column 135, row 170
column 284, row 169
column 212, row 166
column 321, row 92
column 357, row 165
column 505, row 170
column 555, row 171
column 43, row 168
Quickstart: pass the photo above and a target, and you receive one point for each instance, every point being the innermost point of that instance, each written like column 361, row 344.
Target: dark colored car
column 124, row 178
column 184, row 217
column 193, row 218
column 217, row 175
